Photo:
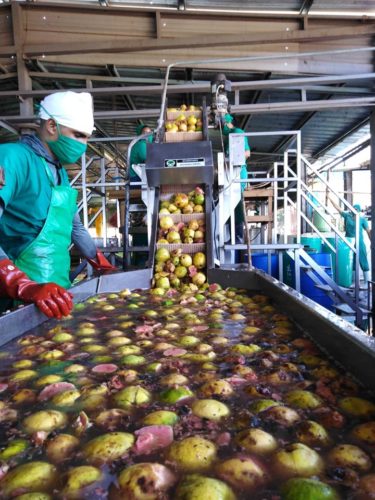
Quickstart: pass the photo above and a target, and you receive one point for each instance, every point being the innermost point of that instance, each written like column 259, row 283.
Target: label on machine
column 185, row 162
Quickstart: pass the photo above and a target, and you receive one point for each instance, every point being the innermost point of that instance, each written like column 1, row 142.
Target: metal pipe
column 105, row 184
column 285, row 165
column 84, row 193
column 102, row 184
column 298, row 158
column 111, row 139
column 275, row 225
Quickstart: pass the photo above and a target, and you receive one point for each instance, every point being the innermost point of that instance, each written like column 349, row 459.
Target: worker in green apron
column 230, row 128
column 349, row 224
column 38, row 211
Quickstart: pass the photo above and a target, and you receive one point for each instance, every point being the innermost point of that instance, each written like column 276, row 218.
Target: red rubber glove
column 100, row 263
column 53, row 300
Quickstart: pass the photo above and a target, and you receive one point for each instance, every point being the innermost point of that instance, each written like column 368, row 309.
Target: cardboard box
column 183, row 136
column 173, row 115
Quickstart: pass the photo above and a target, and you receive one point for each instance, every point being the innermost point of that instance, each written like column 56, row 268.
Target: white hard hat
column 71, row 109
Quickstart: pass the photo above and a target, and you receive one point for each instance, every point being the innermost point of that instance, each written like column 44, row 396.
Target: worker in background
column 38, row 211
column 138, row 156
column 349, row 225
column 139, row 151
column 230, row 128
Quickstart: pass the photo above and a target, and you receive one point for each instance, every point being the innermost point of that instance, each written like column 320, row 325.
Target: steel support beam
column 277, row 107
column 321, row 104
column 348, row 186
column 372, row 167
column 8, row 127
column 24, row 80
column 199, row 87
column 224, row 40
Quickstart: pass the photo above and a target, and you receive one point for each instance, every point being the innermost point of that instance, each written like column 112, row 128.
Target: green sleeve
column 139, row 153
column 247, row 146
column 12, row 160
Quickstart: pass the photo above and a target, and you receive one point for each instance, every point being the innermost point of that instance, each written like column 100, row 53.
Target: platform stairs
column 349, row 302
column 285, row 185
column 315, row 279
column 136, row 248
column 338, row 299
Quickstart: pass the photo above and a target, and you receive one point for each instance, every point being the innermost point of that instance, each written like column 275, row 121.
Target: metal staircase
column 289, row 181
column 343, row 301
column 134, row 225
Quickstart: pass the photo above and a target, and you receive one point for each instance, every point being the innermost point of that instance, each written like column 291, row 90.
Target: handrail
column 332, row 226
column 357, row 220
column 321, row 178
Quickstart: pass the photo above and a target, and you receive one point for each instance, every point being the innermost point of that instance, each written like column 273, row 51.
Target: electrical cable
column 256, row 236
column 214, row 238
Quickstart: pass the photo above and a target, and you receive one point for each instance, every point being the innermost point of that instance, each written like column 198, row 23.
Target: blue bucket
column 260, row 261
column 308, row 287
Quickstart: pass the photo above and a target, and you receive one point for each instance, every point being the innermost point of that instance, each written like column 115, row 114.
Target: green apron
column 47, row 257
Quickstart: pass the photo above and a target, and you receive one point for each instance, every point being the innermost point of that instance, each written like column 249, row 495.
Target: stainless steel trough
column 344, row 343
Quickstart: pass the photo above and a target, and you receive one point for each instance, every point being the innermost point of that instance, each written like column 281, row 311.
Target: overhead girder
column 202, row 41
column 155, row 38
column 235, row 109
column 280, row 83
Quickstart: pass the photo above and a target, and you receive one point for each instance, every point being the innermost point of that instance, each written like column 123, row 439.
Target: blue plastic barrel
column 308, row 287
column 260, row 261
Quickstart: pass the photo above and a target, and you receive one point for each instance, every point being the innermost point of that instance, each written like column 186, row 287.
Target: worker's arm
column 86, row 246
column 336, row 206
column 82, row 239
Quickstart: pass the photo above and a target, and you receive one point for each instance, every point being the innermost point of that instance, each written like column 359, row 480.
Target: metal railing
column 291, row 193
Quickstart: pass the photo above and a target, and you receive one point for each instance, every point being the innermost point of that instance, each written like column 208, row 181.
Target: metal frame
column 290, row 182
